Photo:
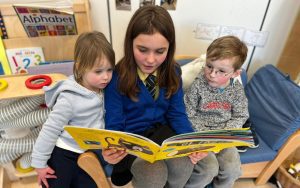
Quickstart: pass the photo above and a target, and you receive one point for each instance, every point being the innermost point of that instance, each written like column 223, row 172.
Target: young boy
column 215, row 101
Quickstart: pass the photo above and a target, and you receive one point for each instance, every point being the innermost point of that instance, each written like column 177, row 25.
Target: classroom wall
column 279, row 21
column 244, row 14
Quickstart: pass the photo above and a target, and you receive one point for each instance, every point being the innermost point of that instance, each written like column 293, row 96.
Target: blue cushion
column 244, row 77
column 260, row 154
column 274, row 105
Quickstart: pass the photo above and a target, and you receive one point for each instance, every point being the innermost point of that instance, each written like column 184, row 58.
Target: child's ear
column 76, row 65
column 236, row 73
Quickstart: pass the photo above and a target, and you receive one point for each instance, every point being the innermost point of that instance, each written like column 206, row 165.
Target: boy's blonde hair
column 227, row 47
column 90, row 46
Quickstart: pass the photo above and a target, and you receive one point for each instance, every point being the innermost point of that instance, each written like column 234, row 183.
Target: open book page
column 239, row 133
column 180, row 148
column 214, row 140
column 88, row 138
column 176, row 146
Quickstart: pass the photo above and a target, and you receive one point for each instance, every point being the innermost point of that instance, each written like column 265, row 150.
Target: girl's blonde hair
column 88, row 48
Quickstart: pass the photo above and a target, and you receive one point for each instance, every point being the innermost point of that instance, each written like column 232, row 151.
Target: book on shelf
column 176, row 146
column 3, row 32
column 4, row 64
column 53, row 18
column 21, row 58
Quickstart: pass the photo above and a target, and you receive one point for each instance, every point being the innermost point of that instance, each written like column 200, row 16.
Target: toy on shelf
column 294, row 170
column 17, row 88
column 3, row 84
column 38, row 81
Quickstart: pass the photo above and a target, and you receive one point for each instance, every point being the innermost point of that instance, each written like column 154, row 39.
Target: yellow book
column 176, row 146
column 4, row 65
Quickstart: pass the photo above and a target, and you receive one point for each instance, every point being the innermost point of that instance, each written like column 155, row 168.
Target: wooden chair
column 90, row 163
column 274, row 108
column 262, row 171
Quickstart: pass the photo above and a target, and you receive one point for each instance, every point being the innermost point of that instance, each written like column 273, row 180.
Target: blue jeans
column 223, row 168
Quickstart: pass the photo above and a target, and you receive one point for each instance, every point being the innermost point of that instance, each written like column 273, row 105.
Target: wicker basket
column 286, row 179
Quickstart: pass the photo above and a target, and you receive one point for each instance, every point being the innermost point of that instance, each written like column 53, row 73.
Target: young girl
column 134, row 105
column 75, row 101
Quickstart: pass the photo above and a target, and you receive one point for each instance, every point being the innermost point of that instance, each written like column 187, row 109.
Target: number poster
column 21, row 58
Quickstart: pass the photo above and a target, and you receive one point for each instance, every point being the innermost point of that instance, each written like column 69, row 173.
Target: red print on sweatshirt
column 217, row 105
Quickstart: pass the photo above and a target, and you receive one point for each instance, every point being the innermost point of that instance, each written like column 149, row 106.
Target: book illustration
column 128, row 145
column 21, row 58
column 177, row 146
column 4, row 64
column 43, row 21
column 3, row 32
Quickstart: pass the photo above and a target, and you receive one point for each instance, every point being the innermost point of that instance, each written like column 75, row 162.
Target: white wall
column 279, row 22
column 99, row 15
column 241, row 13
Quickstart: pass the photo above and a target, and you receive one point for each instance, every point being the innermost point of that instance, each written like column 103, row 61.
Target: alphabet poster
column 46, row 22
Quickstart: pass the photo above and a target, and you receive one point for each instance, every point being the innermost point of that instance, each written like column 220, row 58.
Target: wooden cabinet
column 55, row 48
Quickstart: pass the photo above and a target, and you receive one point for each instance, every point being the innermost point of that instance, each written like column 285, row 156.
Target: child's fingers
column 48, row 176
column 50, row 171
column 197, row 156
column 113, row 156
column 44, row 180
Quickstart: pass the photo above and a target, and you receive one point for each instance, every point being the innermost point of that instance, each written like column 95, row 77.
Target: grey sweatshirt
column 72, row 104
column 210, row 108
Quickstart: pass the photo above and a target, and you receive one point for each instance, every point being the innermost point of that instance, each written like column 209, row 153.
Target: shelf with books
column 54, row 47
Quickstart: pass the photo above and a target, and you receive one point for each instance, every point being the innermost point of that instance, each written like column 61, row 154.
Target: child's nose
column 213, row 73
column 151, row 58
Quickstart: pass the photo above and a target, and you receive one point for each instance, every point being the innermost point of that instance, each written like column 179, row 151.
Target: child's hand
column 44, row 174
column 113, row 156
column 197, row 156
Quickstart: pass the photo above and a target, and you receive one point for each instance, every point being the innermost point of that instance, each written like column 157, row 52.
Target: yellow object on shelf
column 3, row 59
column 3, row 84
column 21, row 169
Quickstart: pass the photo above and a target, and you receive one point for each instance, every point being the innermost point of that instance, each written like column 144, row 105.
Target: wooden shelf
column 55, row 48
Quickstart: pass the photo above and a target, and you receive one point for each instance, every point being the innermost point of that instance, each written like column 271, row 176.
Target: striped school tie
column 150, row 84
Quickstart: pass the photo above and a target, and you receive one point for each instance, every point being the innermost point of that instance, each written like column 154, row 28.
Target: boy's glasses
column 218, row 73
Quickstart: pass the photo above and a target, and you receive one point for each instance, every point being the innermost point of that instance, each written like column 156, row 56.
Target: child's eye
column 161, row 51
column 209, row 66
column 142, row 50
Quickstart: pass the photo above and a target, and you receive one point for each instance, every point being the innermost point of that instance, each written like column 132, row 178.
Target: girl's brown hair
column 148, row 20
column 88, row 47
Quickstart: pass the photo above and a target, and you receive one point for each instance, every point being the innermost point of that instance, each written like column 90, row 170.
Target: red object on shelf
column 38, row 81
